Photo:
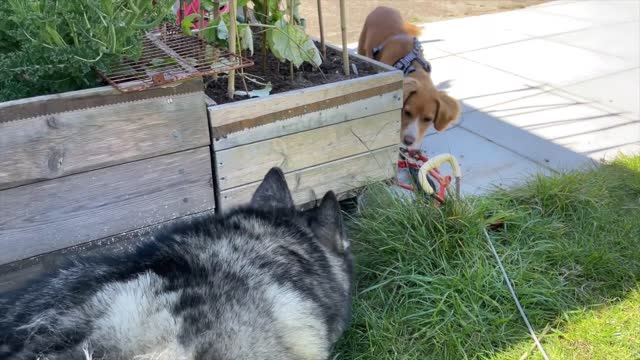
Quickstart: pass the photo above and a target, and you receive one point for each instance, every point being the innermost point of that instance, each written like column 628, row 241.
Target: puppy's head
column 424, row 106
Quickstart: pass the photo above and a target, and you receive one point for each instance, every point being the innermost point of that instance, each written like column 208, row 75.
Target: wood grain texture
column 370, row 106
column 249, row 163
column 82, row 99
column 225, row 114
column 341, row 176
column 66, row 143
column 51, row 215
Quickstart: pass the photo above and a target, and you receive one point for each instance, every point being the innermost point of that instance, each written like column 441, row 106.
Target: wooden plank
column 280, row 106
column 82, row 99
column 17, row 274
column 71, row 142
column 341, row 176
column 55, row 214
column 248, row 163
column 354, row 110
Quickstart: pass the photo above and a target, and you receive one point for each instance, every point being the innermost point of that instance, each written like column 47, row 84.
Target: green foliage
column 286, row 39
column 49, row 46
column 289, row 42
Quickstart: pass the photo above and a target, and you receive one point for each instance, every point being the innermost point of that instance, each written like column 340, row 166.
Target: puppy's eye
column 427, row 119
column 407, row 113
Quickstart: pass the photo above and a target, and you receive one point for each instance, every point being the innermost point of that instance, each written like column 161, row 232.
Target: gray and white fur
column 264, row 281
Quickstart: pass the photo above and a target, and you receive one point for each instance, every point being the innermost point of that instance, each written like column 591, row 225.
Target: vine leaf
column 289, row 42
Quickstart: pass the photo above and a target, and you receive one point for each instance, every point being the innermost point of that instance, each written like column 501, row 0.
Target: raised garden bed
column 335, row 136
column 85, row 165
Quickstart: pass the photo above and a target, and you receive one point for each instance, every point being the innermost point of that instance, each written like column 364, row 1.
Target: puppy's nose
column 408, row 140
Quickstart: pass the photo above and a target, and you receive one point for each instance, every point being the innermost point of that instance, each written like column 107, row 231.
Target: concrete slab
column 549, row 62
column 479, row 86
column 620, row 91
column 452, row 38
column 556, row 131
column 537, row 23
column 603, row 12
column 484, row 165
column 621, row 40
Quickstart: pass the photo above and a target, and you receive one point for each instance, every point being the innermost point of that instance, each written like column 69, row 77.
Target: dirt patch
column 277, row 73
column 416, row 11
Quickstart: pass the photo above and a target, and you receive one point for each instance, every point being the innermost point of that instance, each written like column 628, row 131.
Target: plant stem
column 232, row 44
column 322, row 45
column 343, row 29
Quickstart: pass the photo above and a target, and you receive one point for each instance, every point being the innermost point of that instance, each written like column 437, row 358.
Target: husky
column 263, row 281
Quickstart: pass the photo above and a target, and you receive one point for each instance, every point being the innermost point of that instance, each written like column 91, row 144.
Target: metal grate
column 168, row 55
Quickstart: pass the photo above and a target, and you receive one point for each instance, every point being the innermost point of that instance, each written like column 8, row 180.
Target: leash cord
column 515, row 297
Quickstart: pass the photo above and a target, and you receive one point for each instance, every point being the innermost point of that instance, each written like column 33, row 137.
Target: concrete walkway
column 544, row 89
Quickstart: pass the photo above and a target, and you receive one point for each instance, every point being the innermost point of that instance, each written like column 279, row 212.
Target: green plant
column 280, row 25
column 49, row 46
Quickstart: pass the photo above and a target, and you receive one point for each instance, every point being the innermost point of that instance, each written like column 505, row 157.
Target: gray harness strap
column 404, row 64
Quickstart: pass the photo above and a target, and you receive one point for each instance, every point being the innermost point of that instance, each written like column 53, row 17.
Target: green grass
column 428, row 287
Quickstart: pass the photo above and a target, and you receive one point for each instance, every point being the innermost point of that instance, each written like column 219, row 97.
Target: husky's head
column 324, row 221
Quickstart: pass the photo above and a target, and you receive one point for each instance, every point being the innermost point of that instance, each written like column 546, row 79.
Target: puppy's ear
column 273, row 193
column 448, row 111
column 326, row 223
column 409, row 86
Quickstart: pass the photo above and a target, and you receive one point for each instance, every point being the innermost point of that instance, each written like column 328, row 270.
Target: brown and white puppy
column 423, row 104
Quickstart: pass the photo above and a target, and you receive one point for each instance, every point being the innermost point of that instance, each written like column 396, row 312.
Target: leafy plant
column 49, row 46
column 286, row 39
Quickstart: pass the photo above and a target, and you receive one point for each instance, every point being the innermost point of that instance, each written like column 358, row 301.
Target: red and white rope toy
column 428, row 168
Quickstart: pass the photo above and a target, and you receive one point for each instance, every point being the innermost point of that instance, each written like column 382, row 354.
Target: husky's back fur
column 261, row 282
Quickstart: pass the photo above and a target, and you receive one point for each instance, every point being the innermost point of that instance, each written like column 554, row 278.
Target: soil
column 277, row 73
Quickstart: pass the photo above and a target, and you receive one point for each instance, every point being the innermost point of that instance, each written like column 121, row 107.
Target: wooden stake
column 293, row 22
column 201, row 20
column 233, row 14
column 265, row 17
column 343, row 29
column 322, row 45
column 216, row 9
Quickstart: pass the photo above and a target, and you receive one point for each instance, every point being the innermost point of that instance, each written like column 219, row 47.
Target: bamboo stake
column 232, row 44
column 343, row 29
column 201, row 20
column 216, row 9
column 322, row 45
column 291, row 19
column 265, row 17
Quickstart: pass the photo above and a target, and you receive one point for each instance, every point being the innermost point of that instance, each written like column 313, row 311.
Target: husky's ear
column 273, row 192
column 326, row 223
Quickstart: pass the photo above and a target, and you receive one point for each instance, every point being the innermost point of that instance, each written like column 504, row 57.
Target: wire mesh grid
column 168, row 55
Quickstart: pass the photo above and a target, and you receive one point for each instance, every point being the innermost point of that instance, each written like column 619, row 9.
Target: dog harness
column 404, row 64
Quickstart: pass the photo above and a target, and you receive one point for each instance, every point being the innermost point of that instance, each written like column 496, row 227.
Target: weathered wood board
column 60, row 144
column 340, row 176
column 230, row 118
column 311, row 120
column 249, row 163
column 51, row 215
column 312, row 132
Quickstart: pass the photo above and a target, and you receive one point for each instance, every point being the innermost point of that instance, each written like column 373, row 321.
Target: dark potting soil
column 277, row 73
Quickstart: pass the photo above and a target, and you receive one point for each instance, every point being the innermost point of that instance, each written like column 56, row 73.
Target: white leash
column 515, row 297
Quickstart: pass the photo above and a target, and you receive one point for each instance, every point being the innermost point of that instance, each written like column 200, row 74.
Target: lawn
column 427, row 286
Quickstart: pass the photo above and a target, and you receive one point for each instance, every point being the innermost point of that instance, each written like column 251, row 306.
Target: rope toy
column 424, row 171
